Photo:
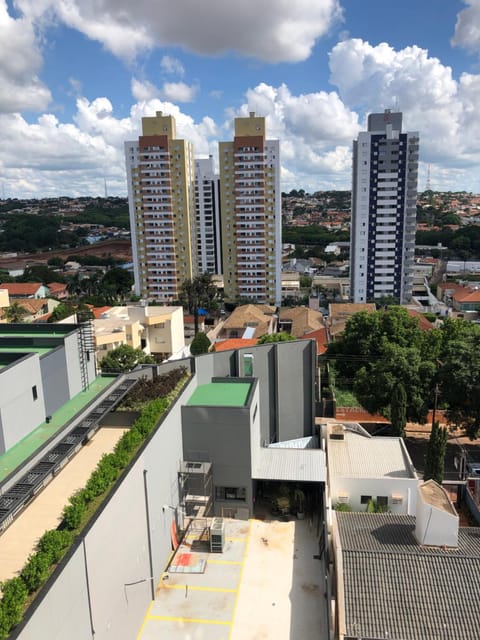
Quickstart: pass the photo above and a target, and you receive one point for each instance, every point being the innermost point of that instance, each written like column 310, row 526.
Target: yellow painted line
column 140, row 633
column 190, row 588
column 223, row 562
column 193, row 620
column 240, row 578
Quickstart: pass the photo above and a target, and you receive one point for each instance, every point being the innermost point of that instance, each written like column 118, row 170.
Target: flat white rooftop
column 359, row 455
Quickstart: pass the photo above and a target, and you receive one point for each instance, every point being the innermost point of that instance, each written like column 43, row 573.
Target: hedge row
column 53, row 544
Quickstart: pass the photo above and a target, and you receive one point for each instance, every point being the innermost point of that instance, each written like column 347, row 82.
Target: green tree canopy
column 200, row 344
column 124, row 358
column 282, row 336
column 15, row 313
column 199, row 293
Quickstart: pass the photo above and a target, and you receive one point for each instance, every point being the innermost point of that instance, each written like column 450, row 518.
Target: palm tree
column 14, row 313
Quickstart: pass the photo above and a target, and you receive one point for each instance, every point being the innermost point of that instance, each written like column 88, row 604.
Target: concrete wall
column 64, row 612
column 282, row 370
column 55, row 382
column 72, row 359
column 374, row 487
column 124, row 556
column 221, row 435
column 19, row 411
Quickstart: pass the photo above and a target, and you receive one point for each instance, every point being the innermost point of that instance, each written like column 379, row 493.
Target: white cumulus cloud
column 441, row 108
column 467, row 28
column 179, row 91
column 170, row 64
column 20, row 62
column 284, row 31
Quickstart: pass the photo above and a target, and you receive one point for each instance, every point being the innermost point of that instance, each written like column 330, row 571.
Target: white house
column 362, row 467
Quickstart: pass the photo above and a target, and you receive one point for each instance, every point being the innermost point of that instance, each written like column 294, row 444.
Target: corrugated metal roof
column 357, row 456
column 299, row 465
column 392, row 585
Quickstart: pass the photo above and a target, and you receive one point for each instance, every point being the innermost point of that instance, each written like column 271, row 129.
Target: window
column 230, row 493
column 34, row 392
column 365, row 499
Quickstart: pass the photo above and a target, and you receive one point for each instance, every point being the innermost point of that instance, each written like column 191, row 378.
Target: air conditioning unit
column 397, row 498
column 217, row 535
column 344, row 498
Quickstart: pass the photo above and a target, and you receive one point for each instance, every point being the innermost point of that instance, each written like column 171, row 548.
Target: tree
column 398, row 410
column 124, row 358
column 198, row 293
column 282, row 336
column 15, row 313
column 305, row 282
column 119, row 281
column 200, row 344
column 459, row 374
column 435, row 456
column 62, row 311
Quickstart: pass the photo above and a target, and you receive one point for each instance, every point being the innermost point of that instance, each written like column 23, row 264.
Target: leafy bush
column 74, row 512
column 35, row 572
column 200, row 344
column 146, row 390
column 54, row 542
column 342, row 506
column 11, row 606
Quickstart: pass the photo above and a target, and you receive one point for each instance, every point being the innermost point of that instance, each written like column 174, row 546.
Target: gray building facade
column 384, row 194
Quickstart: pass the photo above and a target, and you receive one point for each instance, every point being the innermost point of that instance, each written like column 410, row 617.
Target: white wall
column 19, row 411
column 356, row 487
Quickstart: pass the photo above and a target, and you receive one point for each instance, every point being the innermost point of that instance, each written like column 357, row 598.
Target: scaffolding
column 195, row 488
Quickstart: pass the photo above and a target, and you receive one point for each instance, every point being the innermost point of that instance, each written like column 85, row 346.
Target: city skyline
column 76, row 79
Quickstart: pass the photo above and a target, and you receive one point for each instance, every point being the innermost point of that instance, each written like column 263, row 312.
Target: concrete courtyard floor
column 265, row 585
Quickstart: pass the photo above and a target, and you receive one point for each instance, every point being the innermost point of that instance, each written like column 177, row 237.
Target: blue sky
column 76, row 76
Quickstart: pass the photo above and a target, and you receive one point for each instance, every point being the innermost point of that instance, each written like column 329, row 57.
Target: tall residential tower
column 384, row 195
column 160, row 175
column 207, row 211
column 251, row 213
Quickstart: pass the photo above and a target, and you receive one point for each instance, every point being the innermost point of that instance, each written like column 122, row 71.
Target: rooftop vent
column 337, row 432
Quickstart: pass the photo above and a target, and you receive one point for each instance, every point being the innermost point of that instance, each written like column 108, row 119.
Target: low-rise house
column 363, row 468
column 405, row 576
column 25, row 289
column 156, row 330
column 58, row 290
column 339, row 313
column 251, row 320
column 298, row 321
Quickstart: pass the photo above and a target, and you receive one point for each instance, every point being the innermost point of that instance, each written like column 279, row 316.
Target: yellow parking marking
column 139, row 635
column 190, row 588
column 193, row 620
column 240, row 578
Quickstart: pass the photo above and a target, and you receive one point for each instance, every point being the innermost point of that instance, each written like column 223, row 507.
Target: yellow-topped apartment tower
column 251, row 213
column 160, row 175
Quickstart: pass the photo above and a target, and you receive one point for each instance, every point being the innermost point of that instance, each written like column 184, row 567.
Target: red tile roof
column 97, row 312
column 235, row 343
column 21, row 288
column 423, row 323
column 320, row 337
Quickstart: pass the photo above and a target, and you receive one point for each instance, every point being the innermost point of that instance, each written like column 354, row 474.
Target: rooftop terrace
column 20, row 452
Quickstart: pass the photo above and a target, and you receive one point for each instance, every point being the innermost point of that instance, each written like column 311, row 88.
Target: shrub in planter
column 11, row 606
column 35, row 572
